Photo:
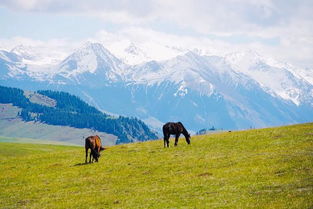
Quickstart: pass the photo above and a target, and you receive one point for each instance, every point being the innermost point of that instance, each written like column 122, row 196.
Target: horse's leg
column 86, row 154
column 166, row 141
column 176, row 139
column 90, row 157
column 98, row 155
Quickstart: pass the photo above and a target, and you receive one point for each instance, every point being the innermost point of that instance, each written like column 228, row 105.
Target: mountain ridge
column 243, row 87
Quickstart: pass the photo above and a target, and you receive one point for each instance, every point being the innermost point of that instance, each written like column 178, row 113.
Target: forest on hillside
column 71, row 111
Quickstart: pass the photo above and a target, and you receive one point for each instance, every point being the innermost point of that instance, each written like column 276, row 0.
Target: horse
column 94, row 144
column 177, row 129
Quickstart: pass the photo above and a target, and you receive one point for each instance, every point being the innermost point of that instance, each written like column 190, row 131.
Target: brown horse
column 175, row 129
column 94, row 144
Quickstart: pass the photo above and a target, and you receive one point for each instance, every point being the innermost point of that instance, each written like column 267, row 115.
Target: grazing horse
column 177, row 129
column 94, row 144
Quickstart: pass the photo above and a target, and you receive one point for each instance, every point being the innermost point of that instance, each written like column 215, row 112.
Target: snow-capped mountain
column 277, row 80
column 134, row 55
column 38, row 56
column 25, row 52
column 11, row 65
column 240, row 90
column 91, row 63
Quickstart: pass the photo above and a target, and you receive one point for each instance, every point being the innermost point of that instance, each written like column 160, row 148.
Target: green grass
column 32, row 141
column 267, row 168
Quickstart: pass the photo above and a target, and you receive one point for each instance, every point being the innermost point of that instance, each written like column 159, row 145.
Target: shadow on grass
column 80, row 164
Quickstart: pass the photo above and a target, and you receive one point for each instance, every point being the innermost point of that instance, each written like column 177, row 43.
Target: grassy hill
column 267, row 168
column 62, row 109
column 11, row 126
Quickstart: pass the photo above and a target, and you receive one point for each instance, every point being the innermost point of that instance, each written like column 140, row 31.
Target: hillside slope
column 265, row 168
column 11, row 126
column 63, row 109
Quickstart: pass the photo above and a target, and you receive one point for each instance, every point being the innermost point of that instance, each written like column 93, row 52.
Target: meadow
column 261, row 168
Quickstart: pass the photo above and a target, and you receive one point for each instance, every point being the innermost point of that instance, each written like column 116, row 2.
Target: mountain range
column 236, row 91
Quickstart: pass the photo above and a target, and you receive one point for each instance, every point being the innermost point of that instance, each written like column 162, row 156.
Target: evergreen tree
column 72, row 111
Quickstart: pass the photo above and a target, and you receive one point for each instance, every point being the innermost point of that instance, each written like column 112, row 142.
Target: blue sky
column 282, row 29
column 47, row 25
column 44, row 26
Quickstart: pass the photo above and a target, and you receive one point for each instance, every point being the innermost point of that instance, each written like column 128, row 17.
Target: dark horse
column 177, row 129
column 94, row 144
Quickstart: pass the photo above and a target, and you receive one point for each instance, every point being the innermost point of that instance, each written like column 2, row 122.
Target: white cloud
column 224, row 17
column 210, row 24
column 298, row 51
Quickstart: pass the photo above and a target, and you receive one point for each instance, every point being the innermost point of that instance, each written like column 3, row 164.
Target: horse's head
column 188, row 137
column 96, row 156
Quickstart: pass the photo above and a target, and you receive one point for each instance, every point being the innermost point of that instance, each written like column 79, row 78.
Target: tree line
column 71, row 111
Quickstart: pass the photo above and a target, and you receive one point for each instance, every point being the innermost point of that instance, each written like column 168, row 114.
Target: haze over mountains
column 236, row 91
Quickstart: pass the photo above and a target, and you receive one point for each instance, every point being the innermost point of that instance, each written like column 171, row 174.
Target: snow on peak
column 9, row 57
column 97, row 49
column 243, row 60
column 276, row 78
column 39, row 56
column 132, row 49
column 94, row 47
column 132, row 54
column 92, row 58
column 188, row 69
column 87, row 58
column 26, row 52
